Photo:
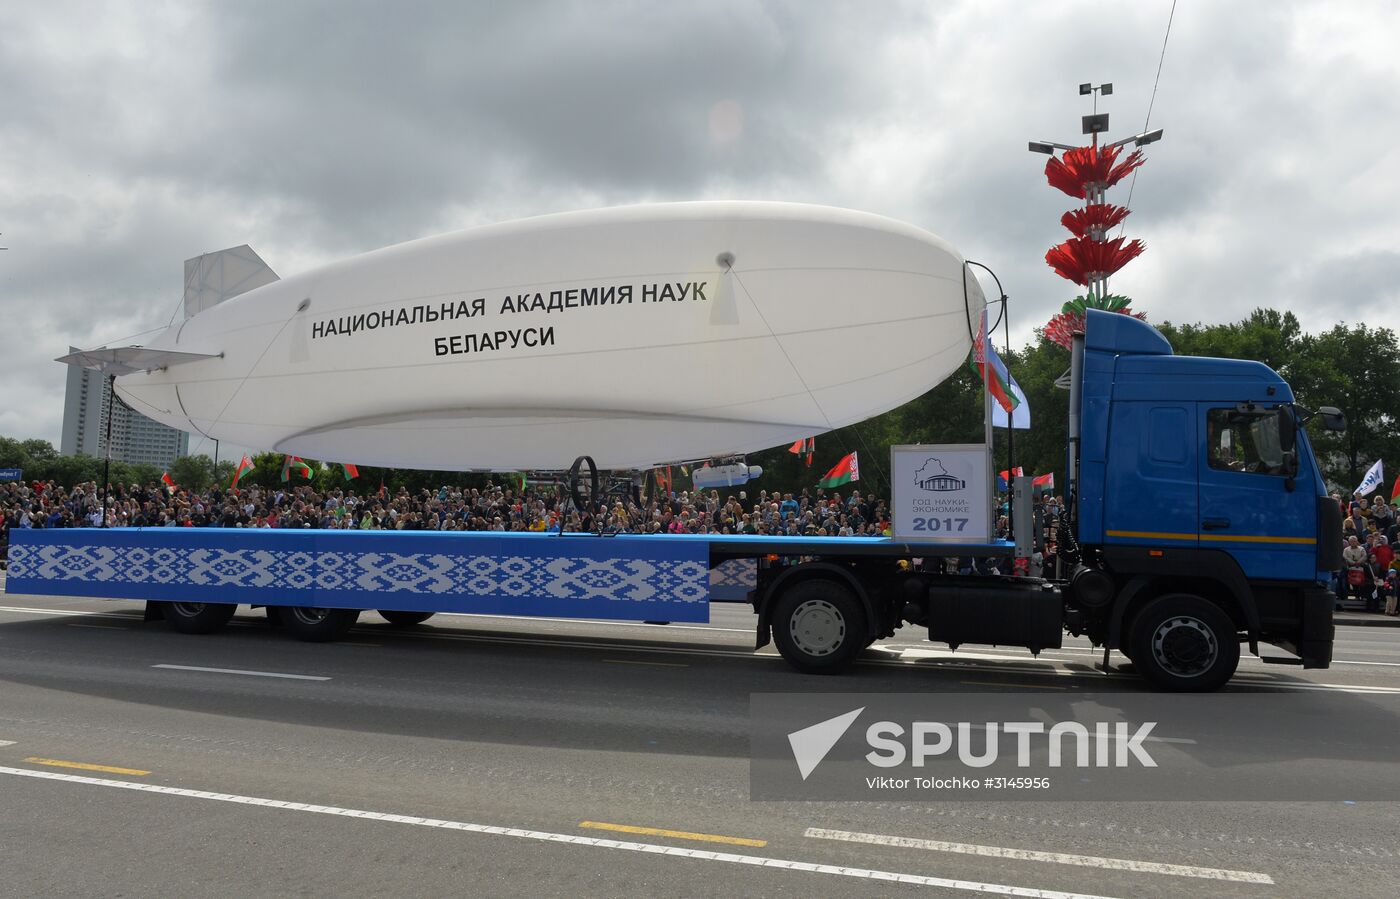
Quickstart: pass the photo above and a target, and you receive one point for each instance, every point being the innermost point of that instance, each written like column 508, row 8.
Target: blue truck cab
column 1200, row 519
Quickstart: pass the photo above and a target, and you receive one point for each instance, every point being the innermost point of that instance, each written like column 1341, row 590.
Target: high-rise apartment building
column 135, row 438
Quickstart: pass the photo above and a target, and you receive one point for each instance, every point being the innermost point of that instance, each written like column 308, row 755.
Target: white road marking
column 1059, row 858
column 240, row 671
column 7, row 742
column 757, row 861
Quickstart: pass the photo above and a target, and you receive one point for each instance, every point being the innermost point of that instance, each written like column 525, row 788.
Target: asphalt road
column 494, row 756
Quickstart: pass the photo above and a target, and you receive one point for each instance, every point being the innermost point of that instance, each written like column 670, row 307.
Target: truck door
column 1246, row 507
column 1151, row 494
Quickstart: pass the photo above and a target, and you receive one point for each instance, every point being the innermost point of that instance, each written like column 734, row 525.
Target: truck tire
column 315, row 625
column 198, row 617
column 1184, row 644
column 819, row 626
column 404, row 619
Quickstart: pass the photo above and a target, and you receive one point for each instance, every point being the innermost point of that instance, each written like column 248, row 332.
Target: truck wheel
column 819, row 626
column 198, row 617
column 404, row 619
column 315, row 625
column 1184, row 644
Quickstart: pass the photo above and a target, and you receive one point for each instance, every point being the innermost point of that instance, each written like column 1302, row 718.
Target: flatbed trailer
column 822, row 600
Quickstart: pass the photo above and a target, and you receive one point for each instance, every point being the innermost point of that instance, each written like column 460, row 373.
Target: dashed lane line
column 757, row 861
column 648, row 664
column 674, row 834
column 242, row 672
column 86, row 766
column 1059, row 858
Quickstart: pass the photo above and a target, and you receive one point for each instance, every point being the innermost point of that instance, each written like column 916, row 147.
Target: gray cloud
column 137, row 136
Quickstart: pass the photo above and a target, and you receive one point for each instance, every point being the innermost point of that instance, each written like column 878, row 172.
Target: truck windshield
column 1245, row 441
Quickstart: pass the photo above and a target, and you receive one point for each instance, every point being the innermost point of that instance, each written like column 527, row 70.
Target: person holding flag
column 1372, row 482
column 294, row 464
column 245, row 465
column 843, row 472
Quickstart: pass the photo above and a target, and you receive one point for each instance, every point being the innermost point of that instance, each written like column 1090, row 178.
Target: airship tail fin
column 214, row 277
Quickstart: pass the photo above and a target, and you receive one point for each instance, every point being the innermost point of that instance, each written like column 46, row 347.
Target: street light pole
column 1093, row 125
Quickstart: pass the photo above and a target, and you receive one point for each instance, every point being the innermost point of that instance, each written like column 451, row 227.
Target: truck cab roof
column 1144, row 367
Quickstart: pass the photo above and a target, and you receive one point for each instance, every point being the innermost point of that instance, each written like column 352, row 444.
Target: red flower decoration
column 1080, row 258
column 1062, row 327
column 1085, row 167
column 1093, row 220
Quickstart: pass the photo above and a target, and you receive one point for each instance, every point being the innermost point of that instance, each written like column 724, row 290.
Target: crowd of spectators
column 1370, row 553
column 811, row 513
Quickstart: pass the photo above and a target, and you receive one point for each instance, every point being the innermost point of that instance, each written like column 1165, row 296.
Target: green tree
column 193, row 472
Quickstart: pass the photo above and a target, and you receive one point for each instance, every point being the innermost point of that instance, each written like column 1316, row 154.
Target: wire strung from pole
column 1150, row 102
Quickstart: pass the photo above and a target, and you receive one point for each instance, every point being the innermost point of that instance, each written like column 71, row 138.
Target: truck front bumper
column 1318, row 631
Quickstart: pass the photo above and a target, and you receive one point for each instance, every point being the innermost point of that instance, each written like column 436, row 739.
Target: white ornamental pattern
column 735, row 573
column 638, row 580
column 433, row 574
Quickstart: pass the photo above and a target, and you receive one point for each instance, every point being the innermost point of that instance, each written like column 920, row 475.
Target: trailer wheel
column 404, row 619
column 316, row 625
column 819, row 626
column 198, row 617
column 1184, row 644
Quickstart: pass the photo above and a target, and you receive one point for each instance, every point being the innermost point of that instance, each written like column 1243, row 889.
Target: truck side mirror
column 1287, row 430
column 1332, row 418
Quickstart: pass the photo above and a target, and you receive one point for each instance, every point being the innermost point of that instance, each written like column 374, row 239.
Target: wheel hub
column 309, row 615
column 187, row 609
column 818, row 628
column 1185, row 646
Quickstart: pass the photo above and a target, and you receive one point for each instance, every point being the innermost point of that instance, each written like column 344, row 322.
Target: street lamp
column 1141, row 140
column 1048, row 147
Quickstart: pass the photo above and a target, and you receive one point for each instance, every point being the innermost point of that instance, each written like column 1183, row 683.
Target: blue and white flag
column 1372, row 481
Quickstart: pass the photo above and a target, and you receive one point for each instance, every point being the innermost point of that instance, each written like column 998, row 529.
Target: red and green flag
column 245, row 465
column 1044, row 483
column 294, row 464
column 844, row 472
column 351, row 472
column 989, row 367
column 168, row 481
column 804, row 449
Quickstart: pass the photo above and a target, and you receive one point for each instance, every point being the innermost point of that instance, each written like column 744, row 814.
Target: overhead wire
column 1151, row 101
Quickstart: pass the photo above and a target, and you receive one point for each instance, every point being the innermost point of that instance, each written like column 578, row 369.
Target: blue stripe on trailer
column 576, row 576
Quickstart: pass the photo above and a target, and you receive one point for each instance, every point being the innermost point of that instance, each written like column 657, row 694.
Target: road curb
column 1366, row 622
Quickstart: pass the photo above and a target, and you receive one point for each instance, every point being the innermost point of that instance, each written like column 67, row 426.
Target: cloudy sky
column 136, row 136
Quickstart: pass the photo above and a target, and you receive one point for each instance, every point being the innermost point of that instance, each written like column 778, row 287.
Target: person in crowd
column 1354, row 575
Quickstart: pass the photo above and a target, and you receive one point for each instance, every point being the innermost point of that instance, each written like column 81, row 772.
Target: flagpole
column 987, row 420
column 107, row 465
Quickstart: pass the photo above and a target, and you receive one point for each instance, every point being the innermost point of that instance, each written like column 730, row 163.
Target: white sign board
column 941, row 493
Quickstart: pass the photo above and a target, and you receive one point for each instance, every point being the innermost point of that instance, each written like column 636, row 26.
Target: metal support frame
column 107, row 465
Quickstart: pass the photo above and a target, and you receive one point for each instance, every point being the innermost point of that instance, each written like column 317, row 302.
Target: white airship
column 638, row 335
